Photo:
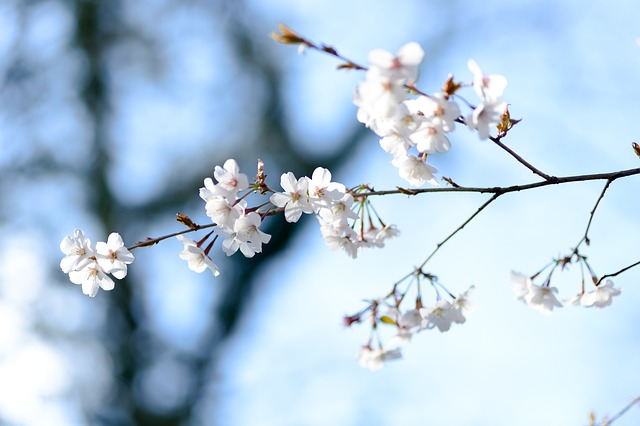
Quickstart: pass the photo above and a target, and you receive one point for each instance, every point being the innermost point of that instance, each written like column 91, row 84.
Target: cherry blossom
column 224, row 212
column 377, row 99
column 77, row 250
column 396, row 138
column 113, row 257
column 430, row 137
column 439, row 316
column 461, row 307
column 374, row 359
column 404, row 66
column 409, row 323
column 196, row 258
column 322, row 192
column 92, row 277
column 521, row 284
column 212, row 191
column 337, row 216
column 602, row 295
column 294, row 199
column 487, row 87
column 230, row 178
column 485, row 117
column 415, row 170
column 246, row 236
column 437, row 109
column 542, row 298
column 346, row 242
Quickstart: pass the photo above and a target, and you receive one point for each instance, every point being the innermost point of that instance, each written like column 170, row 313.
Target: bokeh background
column 113, row 112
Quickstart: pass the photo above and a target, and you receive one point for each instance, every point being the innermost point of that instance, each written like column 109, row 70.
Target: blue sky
column 572, row 70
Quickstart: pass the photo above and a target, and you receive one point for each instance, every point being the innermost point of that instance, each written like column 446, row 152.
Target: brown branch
column 151, row 241
column 585, row 238
column 514, row 188
column 617, row 273
column 521, row 160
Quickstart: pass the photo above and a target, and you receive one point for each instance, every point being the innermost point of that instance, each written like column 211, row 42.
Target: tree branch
column 521, row 160
column 514, row 188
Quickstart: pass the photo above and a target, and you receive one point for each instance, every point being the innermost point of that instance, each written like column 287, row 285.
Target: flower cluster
column 238, row 226
column 408, row 322
column 88, row 265
column 403, row 123
column 340, row 225
column 412, row 126
column 543, row 297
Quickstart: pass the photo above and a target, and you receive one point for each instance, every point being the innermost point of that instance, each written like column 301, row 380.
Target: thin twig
column 621, row 413
column 585, row 238
column 440, row 244
column 521, row 160
column 152, row 241
column 617, row 273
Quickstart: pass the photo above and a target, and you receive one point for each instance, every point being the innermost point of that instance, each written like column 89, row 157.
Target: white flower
column 485, row 117
column 77, row 250
column 602, row 295
column 574, row 300
column 346, row 242
column 374, row 359
column 387, row 232
column 396, row 137
column 430, row 137
column 294, row 199
column 542, row 298
column 461, row 306
column 113, row 257
column 488, row 87
column 230, row 178
column 322, row 192
column 521, row 284
column 212, row 191
column 409, row 323
column 415, row 170
column 438, row 316
column 440, row 111
column 379, row 96
column 224, row 212
column 338, row 215
column 197, row 259
column 377, row 99
column 91, row 277
column 246, row 236
column 395, row 144
column 403, row 67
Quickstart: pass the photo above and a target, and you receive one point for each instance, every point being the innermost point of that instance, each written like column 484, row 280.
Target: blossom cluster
column 238, row 226
column 334, row 207
column 543, row 297
column 89, row 266
column 408, row 322
column 423, row 122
